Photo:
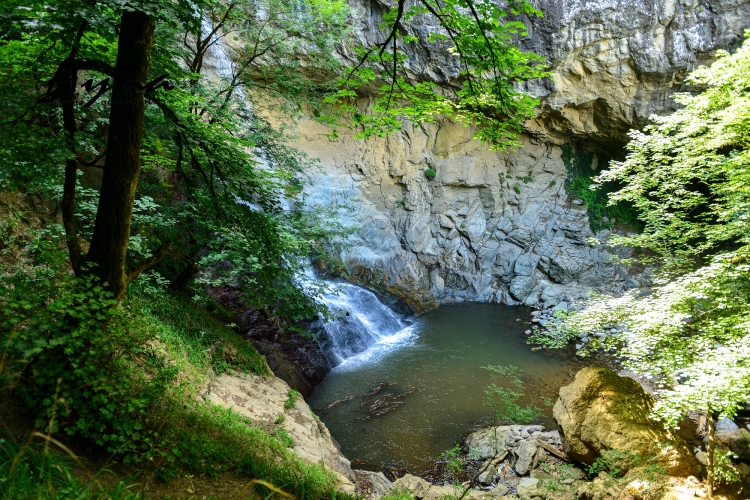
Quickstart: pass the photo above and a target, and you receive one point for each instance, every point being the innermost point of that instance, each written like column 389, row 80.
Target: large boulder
column 603, row 411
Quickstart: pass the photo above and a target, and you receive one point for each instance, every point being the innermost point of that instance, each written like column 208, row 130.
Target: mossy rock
column 602, row 411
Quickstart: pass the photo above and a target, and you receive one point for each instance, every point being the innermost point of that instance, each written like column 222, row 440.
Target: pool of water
column 437, row 361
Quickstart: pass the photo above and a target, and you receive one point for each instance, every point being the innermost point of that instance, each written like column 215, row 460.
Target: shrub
column 292, row 398
column 504, row 399
column 430, row 173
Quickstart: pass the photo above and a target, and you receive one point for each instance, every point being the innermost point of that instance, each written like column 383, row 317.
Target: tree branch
column 96, row 65
column 163, row 251
column 67, row 96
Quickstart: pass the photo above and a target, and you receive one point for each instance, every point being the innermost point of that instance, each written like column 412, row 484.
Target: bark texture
column 109, row 244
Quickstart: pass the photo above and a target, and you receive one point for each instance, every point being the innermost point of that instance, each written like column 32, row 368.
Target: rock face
column 298, row 362
column 603, row 411
column 262, row 399
column 490, row 227
column 615, row 62
column 498, row 227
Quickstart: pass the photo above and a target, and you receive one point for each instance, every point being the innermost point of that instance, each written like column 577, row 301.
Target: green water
column 439, row 357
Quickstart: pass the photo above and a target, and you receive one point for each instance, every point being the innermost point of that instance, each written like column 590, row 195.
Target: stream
column 418, row 383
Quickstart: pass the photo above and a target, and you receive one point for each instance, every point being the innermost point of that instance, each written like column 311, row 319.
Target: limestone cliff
column 499, row 227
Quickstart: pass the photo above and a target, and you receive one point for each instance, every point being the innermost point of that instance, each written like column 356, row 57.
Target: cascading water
column 362, row 326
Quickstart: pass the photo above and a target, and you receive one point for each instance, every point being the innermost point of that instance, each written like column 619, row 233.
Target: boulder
column 488, row 442
column 416, row 486
column 726, row 424
column 738, row 441
column 488, row 475
column 525, row 453
column 603, row 411
column 422, row 490
column 371, row 485
column 499, row 491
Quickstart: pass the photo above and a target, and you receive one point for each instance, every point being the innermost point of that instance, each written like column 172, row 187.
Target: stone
column 488, row 442
column 603, row 411
column 262, row 399
column 371, row 485
column 738, row 441
column 499, row 491
column 527, row 486
column 525, row 453
column 702, row 458
column 527, row 332
column 726, row 424
column 488, row 476
column 417, row 486
column 631, row 283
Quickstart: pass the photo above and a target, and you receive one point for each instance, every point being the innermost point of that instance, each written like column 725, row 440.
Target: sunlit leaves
column 482, row 39
column 689, row 175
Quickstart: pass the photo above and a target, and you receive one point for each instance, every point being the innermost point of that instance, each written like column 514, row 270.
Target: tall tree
column 109, row 244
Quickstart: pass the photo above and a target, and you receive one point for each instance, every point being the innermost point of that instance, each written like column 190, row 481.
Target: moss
column 579, row 164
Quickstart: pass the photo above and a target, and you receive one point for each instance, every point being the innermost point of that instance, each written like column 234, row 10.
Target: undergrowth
column 127, row 378
column 578, row 164
column 34, row 471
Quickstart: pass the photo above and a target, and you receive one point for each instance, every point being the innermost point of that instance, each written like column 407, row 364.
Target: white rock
column 726, row 424
column 526, row 485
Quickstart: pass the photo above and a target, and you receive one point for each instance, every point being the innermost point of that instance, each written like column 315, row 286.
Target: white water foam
column 362, row 330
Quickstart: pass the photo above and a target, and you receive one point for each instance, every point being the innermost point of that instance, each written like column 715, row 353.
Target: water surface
column 439, row 357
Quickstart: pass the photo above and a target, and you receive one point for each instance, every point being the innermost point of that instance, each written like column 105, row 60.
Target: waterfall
column 362, row 328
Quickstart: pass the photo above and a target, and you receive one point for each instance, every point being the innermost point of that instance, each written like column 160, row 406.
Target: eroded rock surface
column 490, row 227
column 615, row 62
column 262, row 399
column 603, row 411
column 498, row 227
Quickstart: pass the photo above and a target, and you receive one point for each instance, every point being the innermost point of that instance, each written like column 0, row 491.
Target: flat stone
column 526, row 485
column 499, row 491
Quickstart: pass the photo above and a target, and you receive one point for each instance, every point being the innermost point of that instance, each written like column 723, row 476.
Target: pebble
column 527, row 332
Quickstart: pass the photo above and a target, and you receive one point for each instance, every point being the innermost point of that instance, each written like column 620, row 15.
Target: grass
column 292, row 398
column 194, row 332
column 189, row 438
column 34, row 471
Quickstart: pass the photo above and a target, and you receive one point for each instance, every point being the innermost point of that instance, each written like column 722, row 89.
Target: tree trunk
column 710, row 450
column 109, row 244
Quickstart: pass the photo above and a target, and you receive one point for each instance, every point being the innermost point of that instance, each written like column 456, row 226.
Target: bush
column 578, row 183
column 430, row 173
column 504, row 399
